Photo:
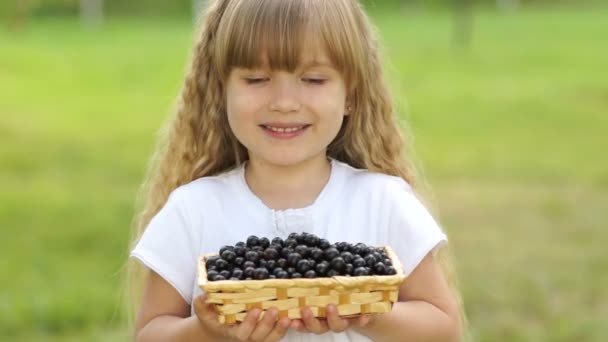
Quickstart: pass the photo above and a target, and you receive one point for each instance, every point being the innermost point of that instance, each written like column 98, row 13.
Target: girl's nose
column 285, row 94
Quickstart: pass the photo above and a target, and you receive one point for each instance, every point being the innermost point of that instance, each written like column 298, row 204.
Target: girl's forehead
column 308, row 58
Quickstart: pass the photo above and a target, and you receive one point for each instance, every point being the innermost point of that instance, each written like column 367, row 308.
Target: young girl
column 285, row 125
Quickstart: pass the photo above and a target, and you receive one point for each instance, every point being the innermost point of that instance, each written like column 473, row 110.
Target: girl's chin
column 286, row 160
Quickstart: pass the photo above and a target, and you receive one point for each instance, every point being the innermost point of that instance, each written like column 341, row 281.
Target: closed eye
column 318, row 81
column 256, row 80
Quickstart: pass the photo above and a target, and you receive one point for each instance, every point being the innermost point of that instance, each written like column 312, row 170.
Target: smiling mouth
column 291, row 129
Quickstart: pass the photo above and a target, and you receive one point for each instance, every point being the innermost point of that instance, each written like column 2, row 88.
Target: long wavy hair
column 197, row 140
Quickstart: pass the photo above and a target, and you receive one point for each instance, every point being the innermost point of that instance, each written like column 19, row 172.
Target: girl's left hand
column 333, row 322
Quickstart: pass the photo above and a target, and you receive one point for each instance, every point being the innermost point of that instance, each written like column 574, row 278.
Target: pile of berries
column 299, row 256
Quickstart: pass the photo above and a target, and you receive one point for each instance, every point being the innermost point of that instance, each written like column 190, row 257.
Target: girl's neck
column 288, row 187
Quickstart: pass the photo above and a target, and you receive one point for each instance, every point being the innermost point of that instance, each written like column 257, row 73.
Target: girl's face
column 286, row 118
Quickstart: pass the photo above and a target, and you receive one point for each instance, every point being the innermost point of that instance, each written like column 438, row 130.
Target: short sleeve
column 167, row 246
column 413, row 232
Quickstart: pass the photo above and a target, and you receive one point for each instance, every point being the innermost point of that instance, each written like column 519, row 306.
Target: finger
column 265, row 326
column 204, row 311
column 334, row 321
column 279, row 331
column 244, row 330
column 363, row 320
column 313, row 324
column 298, row 325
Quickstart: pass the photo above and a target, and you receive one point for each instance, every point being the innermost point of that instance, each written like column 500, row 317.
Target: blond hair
column 197, row 140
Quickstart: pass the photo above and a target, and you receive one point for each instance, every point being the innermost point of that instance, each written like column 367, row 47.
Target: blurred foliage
column 511, row 133
column 177, row 7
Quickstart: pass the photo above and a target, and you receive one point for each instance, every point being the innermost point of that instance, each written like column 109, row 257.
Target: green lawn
column 511, row 135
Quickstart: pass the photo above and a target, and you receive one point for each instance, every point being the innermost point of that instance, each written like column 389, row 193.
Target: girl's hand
column 269, row 329
column 334, row 322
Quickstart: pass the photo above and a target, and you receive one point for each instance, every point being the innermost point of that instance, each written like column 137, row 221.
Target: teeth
column 284, row 130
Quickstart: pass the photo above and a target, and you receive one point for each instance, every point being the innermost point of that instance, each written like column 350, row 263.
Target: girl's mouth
column 285, row 132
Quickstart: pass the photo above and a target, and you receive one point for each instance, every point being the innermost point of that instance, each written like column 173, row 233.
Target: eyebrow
column 318, row 63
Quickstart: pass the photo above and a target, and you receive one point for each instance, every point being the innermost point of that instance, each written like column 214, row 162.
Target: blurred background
column 507, row 101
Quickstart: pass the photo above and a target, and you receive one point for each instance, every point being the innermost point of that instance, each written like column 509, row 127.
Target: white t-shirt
column 354, row 206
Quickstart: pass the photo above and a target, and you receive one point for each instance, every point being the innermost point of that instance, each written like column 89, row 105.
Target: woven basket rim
column 344, row 281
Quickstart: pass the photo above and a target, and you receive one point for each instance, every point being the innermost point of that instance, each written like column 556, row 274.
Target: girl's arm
column 427, row 310
column 165, row 316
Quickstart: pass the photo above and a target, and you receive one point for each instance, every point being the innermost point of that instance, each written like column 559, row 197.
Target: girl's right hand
column 268, row 329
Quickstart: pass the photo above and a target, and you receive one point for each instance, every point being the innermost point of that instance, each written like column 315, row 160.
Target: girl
column 285, row 125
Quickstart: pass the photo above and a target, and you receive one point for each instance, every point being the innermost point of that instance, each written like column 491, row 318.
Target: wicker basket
column 353, row 296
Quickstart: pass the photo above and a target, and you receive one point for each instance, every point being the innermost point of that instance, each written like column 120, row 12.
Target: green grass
column 511, row 134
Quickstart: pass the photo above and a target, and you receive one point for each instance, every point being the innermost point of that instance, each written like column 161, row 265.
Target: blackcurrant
column 310, row 274
column 238, row 261
column 317, row 254
column 359, row 262
column 260, row 273
column 322, row 268
column 303, row 266
column 379, row 268
column 253, row 241
column 271, row 264
column 332, row 273
column 302, row 250
column 248, row 263
column 282, row 274
column 347, row 256
column 348, row 269
column 331, row 253
column 237, row 273
column 211, row 275
column 228, row 255
column 342, row 246
column 360, row 271
column 252, row 256
column 291, row 243
column 323, row 244
column 271, row 254
column 338, row 264
column 211, row 261
column 282, row 262
column 248, row 272
column 226, row 248
column 240, row 250
column 264, row 242
column 370, row 260
column 221, row 264
column 293, row 259
column 277, row 241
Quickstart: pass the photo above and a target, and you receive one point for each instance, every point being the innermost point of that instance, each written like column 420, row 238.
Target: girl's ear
column 347, row 108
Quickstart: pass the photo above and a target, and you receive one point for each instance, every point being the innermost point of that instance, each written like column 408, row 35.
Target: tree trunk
column 463, row 23
column 91, row 12
column 18, row 15
column 507, row 5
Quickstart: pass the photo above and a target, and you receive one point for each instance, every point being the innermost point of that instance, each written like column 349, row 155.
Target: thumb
column 204, row 311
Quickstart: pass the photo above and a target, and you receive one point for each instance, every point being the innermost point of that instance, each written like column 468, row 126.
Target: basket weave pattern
column 352, row 295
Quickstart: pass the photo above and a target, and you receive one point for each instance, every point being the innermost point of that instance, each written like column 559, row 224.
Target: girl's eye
column 317, row 81
column 255, row 80
column 314, row 80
